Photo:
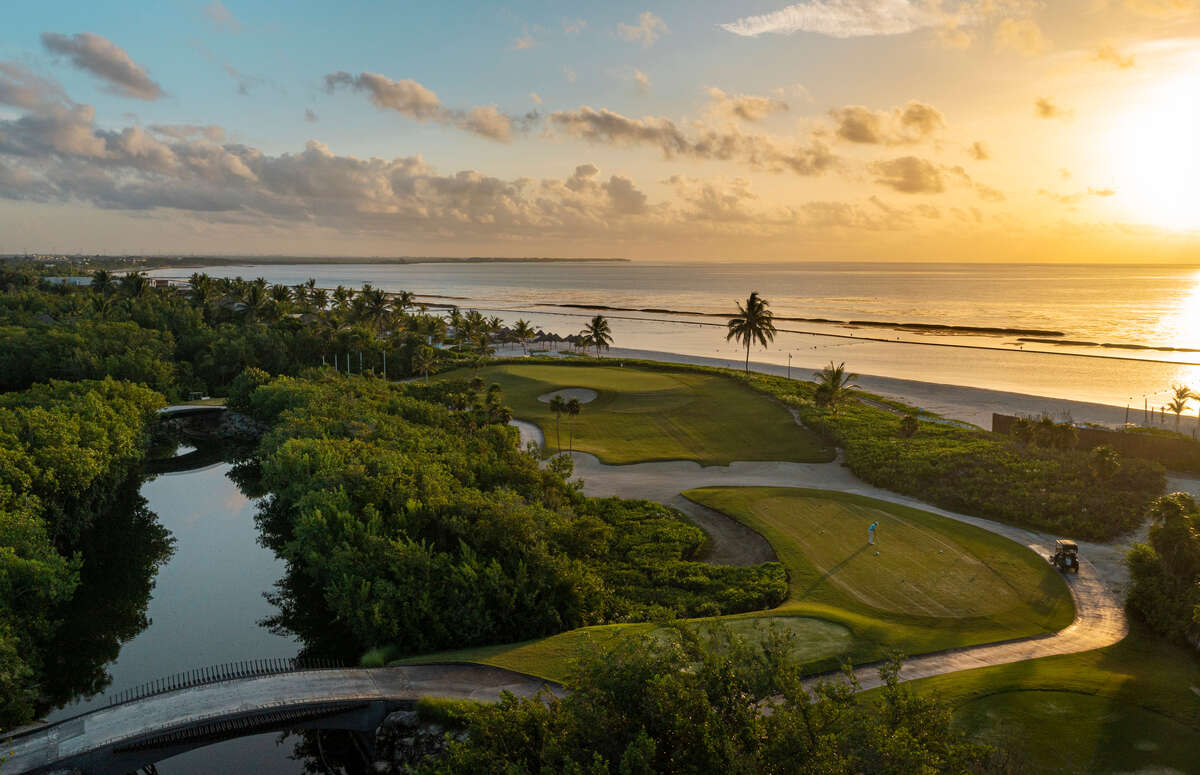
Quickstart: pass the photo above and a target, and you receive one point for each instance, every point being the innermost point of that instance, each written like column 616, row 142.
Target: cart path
column 1097, row 589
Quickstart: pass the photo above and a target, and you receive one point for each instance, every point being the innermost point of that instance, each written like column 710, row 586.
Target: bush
column 243, row 386
column 1165, row 572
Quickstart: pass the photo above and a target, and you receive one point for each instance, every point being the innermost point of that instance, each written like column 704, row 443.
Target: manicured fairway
column 641, row 415
column 935, row 582
column 1131, row 707
column 814, row 639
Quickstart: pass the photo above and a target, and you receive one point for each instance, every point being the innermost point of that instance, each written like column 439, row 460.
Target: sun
column 1155, row 153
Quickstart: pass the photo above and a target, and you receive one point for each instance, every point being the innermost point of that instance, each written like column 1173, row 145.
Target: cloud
column 910, row 175
column 642, row 82
column 647, row 30
column 838, row 19
column 244, row 81
column 979, row 151
column 107, row 61
column 1109, row 53
column 573, row 26
column 744, row 107
column 310, row 116
column 210, row 132
column 1076, row 198
column 522, row 43
column 703, row 142
column 570, row 74
column 411, row 99
column 1162, row 8
column 22, row 88
column 1023, row 36
column 1045, row 107
column 222, row 17
column 536, row 99
column 910, row 124
column 989, row 194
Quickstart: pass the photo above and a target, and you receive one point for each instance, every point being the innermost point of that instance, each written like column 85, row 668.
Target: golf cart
column 1066, row 556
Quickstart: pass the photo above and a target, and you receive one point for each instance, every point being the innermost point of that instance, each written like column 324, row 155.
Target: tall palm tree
column 524, row 332
column 341, row 298
column 281, row 294
column 134, row 284
column 318, row 298
column 102, row 281
column 597, row 334
column 833, row 385
column 402, row 301
column 423, row 361
column 1181, row 394
column 481, row 345
column 558, row 406
column 753, row 323
column 572, row 409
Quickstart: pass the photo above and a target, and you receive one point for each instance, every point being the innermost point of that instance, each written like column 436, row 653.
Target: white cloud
column 839, row 19
column 647, row 30
column 222, row 17
column 642, row 82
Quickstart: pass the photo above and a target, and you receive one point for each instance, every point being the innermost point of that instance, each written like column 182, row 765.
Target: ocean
column 1114, row 334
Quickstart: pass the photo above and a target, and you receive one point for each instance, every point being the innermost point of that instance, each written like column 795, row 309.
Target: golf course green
column 639, row 415
column 929, row 583
column 935, row 584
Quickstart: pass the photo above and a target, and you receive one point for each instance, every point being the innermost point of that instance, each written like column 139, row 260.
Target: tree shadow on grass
column 830, row 573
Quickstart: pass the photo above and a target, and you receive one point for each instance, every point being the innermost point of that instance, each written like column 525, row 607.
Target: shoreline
column 956, row 402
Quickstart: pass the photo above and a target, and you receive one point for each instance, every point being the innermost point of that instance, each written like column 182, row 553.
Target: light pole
column 789, row 365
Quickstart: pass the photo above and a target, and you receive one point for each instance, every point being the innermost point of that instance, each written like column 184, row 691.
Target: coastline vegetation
column 423, row 527
column 65, row 448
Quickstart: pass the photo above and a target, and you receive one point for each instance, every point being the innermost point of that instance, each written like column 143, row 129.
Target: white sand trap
column 582, row 394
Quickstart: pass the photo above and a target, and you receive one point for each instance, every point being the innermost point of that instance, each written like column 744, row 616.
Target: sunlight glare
column 1154, row 152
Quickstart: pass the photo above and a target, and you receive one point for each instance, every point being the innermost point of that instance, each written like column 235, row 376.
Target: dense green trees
column 422, row 525
column 1166, row 570
column 178, row 341
column 679, row 702
column 64, row 447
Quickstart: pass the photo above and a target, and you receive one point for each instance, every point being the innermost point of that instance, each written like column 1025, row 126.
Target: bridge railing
column 230, row 671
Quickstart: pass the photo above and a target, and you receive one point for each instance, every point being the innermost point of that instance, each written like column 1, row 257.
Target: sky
column 872, row 130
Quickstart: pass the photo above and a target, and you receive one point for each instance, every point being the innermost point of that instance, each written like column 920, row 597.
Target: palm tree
column 318, row 298
column 753, row 323
column 558, row 406
column 596, row 334
column 1181, row 394
column 423, row 361
column 524, row 332
column 102, row 281
column 833, row 385
column 134, row 284
column 482, row 346
column 572, row 409
column 281, row 294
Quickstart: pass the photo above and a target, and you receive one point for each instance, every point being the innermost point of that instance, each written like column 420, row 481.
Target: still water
column 206, row 607
column 1107, row 311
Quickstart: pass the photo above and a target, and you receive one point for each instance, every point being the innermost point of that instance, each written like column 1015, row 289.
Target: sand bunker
column 582, row 394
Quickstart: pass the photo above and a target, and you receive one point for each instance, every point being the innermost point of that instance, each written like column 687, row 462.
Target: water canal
column 207, row 604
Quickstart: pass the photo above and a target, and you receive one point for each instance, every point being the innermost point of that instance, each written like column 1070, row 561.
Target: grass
column 1130, row 707
column 552, row 658
column 845, row 602
column 642, row 415
column 936, row 583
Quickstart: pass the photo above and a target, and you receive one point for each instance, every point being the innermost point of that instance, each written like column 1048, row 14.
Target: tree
column 712, row 702
column 597, row 334
column 102, row 281
column 1180, row 395
column 524, row 332
column 1023, row 430
column 833, row 386
column 134, row 284
column 423, row 360
column 1105, row 462
column 481, row 346
column 558, row 406
column 753, row 323
column 909, row 426
column 572, row 409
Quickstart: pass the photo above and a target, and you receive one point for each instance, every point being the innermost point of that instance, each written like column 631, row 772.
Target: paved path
column 1098, row 589
column 102, row 728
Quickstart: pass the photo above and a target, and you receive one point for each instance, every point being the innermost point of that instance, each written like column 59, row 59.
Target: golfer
column 871, row 533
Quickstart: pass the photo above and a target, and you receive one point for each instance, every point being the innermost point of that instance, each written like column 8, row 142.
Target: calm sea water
column 1151, row 306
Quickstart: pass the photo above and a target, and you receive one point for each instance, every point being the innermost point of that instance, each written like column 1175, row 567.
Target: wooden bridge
column 133, row 734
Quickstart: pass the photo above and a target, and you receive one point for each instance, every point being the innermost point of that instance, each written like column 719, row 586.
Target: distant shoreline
column 169, row 262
